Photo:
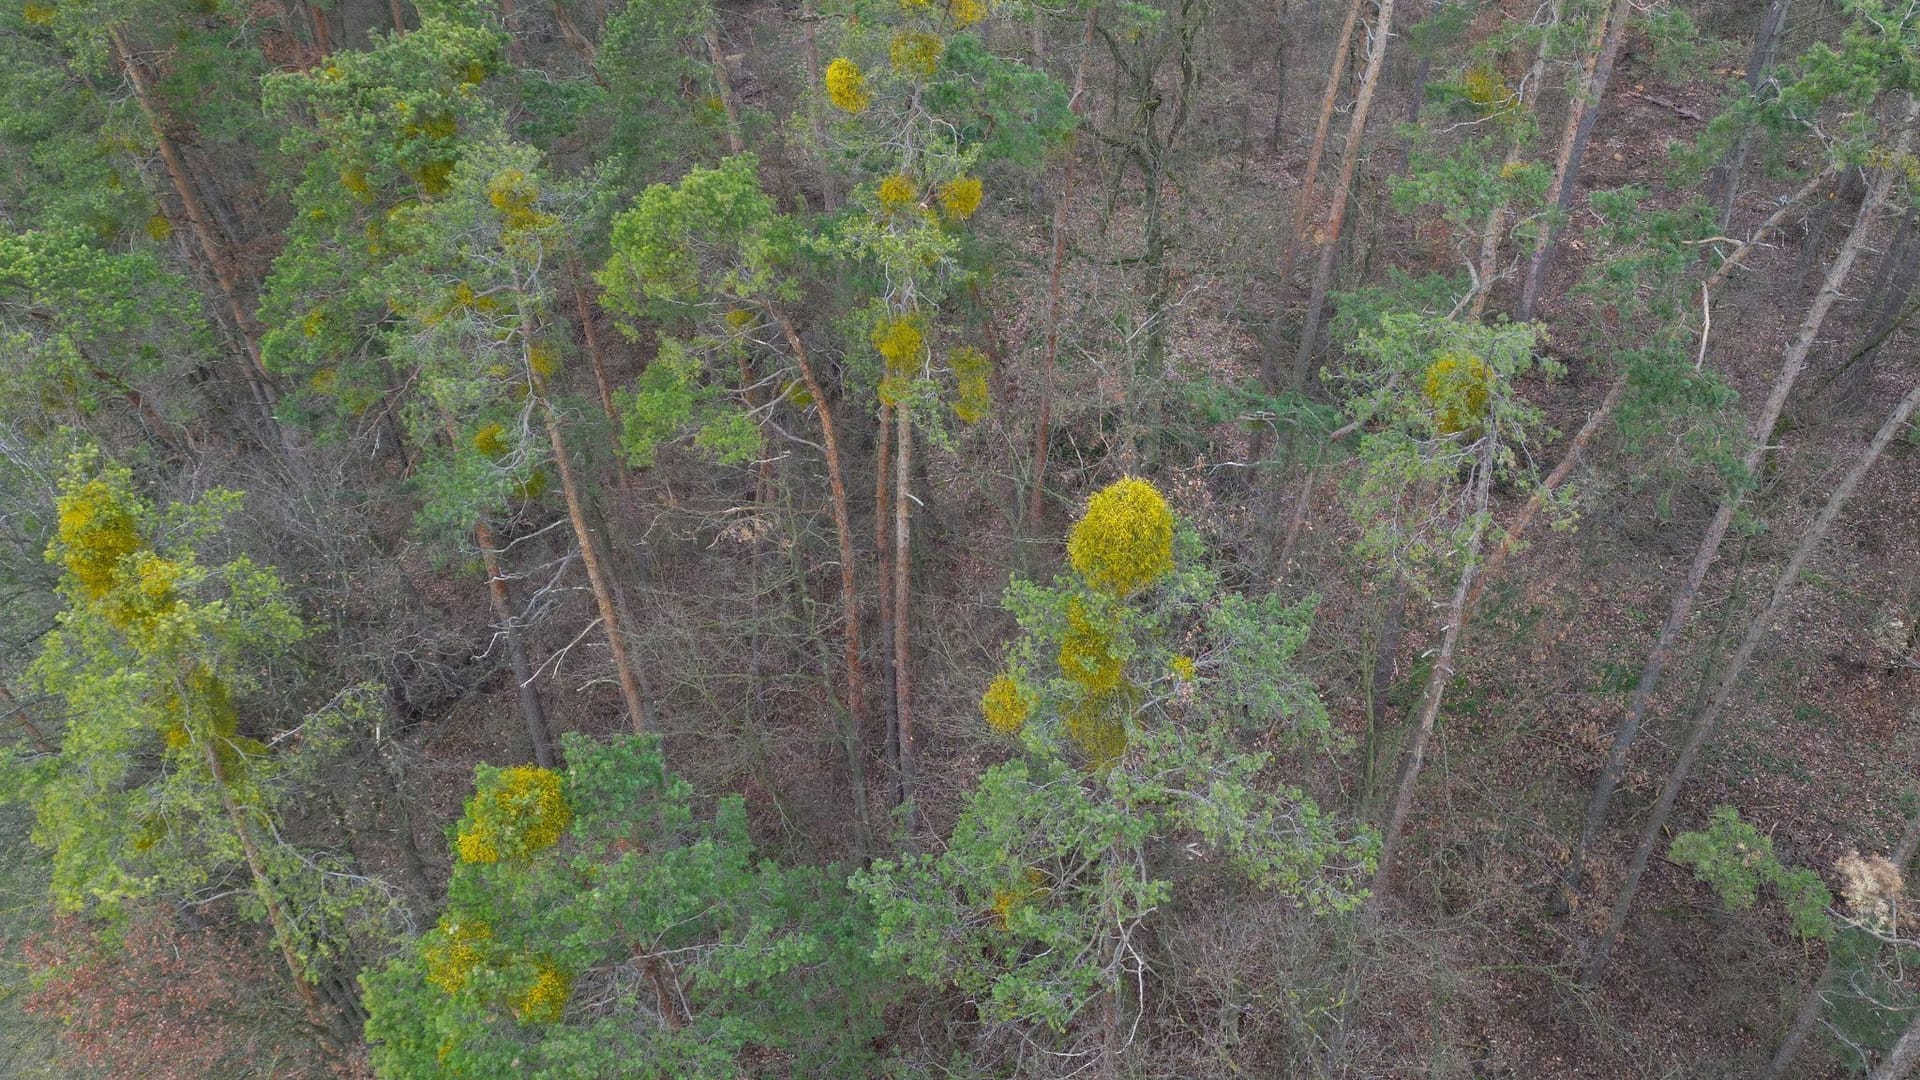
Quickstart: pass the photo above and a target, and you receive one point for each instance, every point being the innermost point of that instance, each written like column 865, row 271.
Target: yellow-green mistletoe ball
column 915, row 52
column 1124, row 542
column 847, row 87
column 515, row 813
column 1458, row 386
column 1005, row 706
column 960, row 197
column 896, row 193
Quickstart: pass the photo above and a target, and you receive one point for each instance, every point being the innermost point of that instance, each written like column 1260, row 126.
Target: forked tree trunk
column 1329, row 237
column 531, row 711
column 1759, row 629
column 1436, row 679
column 1759, row 435
column 1582, row 113
column 1043, row 425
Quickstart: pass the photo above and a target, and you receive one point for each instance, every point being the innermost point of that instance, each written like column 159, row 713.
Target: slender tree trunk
column 581, row 44
column 1766, row 228
column 1758, row 630
column 531, row 710
column 902, row 614
column 810, row 50
column 1283, row 40
column 1329, row 238
column 1807, row 1016
column 724, row 81
column 1759, row 435
column 1582, row 113
column 594, row 356
column 399, row 15
column 883, row 546
column 1437, row 679
column 1303, row 202
column 1043, row 424
column 263, row 888
column 843, row 533
column 1723, row 185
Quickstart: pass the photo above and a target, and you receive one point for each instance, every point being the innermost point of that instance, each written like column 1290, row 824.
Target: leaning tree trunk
column 1337, row 213
column 1582, row 114
column 902, row 615
column 728, row 101
column 1495, row 229
column 849, row 590
column 1758, row 630
column 1903, row 1057
column 1759, row 436
column 1437, row 678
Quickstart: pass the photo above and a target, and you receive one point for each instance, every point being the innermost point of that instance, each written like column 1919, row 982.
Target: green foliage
column 650, row 941
column 1033, row 909
column 1736, row 859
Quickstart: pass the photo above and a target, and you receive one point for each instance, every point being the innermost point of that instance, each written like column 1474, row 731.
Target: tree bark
column 584, row 313
column 1436, row 679
column 1758, row 630
column 1582, row 114
column 883, row 547
column 810, row 50
column 1329, row 238
column 1903, row 1057
column 531, row 711
column 1759, row 435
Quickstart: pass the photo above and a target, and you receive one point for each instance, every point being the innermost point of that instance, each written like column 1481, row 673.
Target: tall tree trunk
column 1582, row 113
column 843, row 533
column 1043, row 424
column 638, row 712
column 1436, row 679
column 1723, row 184
column 883, row 547
column 1282, row 41
column 1758, row 630
column 1329, row 237
column 398, row 13
column 531, row 711
column 1303, row 202
column 1759, row 435
column 724, row 81
column 903, row 615
column 1526, row 94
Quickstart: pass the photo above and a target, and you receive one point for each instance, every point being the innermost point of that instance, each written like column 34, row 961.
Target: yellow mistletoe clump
column 1182, row 668
column 1097, row 724
column 543, row 358
column 972, row 397
column 37, row 14
column 454, row 951
column 159, row 228
column 1006, row 901
column 514, row 814
column 896, row 193
column 960, row 197
column 546, row 1000
column 1125, row 539
column 899, row 341
column 965, row 13
column 1005, row 705
column 490, row 440
column 1458, row 387
column 847, row 87
column 915, row 52
column 1484, row 87
column 96, row 531
column 1086, row 652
